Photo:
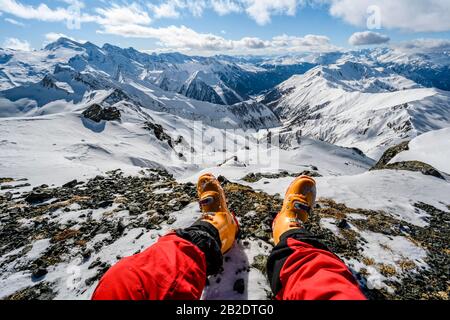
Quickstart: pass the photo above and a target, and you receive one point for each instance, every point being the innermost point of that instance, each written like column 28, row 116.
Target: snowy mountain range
column 351, row 104
column 77, row 111
column 220, row 80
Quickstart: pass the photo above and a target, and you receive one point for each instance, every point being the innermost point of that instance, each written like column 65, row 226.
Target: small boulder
column 71, row 184
column 97, row 114
column 39, row 273
column 39, row 195
column 239, row 286
column 343, row 224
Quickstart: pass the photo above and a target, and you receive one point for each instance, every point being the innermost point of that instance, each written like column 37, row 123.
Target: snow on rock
column 432, row 148
column 385, row 259
column 394, row 192
column 387, row 250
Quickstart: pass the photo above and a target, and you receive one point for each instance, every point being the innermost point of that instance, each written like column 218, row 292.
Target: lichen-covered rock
column 416, row 166
column 389, row 154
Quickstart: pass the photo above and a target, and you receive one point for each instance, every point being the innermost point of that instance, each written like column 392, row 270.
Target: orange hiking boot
column 215, row 211
column 298, row 203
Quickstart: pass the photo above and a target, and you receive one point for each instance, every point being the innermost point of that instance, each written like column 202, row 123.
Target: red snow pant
column 176, row 269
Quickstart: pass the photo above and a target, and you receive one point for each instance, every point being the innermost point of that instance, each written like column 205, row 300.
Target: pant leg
column 175, row 268
column 301, row 268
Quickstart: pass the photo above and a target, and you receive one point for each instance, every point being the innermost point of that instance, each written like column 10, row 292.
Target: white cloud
column 262, row 10
column 309, row 40
column 224, row 7
column 173, row 8
column 423, row 46
column 259, row 10
column 185, row 39
column 165, row 10
column 16, row 44
column 196, row 7
column 416, row 16
column 42, row 12
column 367, row 38
column 172, row 36
column 14, row 22
column 252, row 43
column 117, row 15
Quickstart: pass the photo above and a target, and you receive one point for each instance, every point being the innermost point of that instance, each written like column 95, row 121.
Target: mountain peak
column 64, row 43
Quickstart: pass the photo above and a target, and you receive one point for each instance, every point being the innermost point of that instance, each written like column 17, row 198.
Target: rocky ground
column 74, row 215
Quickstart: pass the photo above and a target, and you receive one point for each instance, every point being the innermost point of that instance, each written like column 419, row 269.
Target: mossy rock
column 389, row 154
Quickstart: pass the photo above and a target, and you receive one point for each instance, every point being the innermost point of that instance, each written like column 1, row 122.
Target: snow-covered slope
column 21, row 67
column 354, row 105
column 432, row 148
column 426, row 67
column 430, row 69
column 64, row 145
column 67, row 84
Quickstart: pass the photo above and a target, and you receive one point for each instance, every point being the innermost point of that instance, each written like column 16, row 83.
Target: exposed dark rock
column 17, row 186
column 255, row 177
column 39, row 195
column 95, row 264
column 159, row 133
column 134, row 208
column 97, row 113
column 343, row 224
column 104, row 267
column 223, row 180
column 389, row 154
column 239, row 286
column 105, row 204
column 71, row 184
column 39, row 273
column 415, row 166
column 43, row 291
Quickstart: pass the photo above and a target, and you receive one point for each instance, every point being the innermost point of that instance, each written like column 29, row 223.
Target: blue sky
column 225, row 26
